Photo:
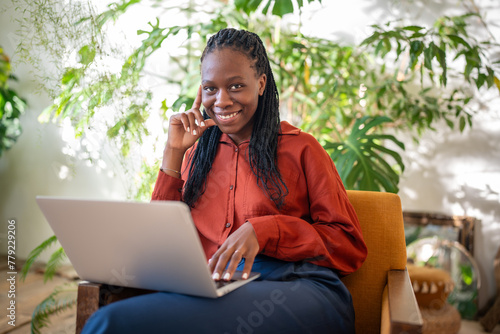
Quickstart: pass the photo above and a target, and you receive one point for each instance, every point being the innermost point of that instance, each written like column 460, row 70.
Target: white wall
column 447, row 172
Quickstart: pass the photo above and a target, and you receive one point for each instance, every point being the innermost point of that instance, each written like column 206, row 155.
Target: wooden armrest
column 401, row 305
column 92, row 296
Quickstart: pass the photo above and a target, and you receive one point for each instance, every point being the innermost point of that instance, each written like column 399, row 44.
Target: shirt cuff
column 268, row 234
column 167, row 188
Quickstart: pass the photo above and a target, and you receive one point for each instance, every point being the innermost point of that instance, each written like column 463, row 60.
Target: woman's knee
column 108, row 319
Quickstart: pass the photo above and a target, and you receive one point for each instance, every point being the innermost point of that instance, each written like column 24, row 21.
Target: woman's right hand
column 183, row 131
column 185, row 128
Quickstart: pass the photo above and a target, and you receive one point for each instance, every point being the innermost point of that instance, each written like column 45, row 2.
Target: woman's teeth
column 228, row 116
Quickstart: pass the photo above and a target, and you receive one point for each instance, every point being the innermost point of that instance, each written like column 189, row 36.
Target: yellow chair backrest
column 381, row 219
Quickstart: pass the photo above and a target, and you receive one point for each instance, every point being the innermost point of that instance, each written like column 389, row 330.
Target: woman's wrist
column 172, row 162
column 167, row 170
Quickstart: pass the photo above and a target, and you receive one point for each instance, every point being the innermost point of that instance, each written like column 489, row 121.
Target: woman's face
column 230, row 91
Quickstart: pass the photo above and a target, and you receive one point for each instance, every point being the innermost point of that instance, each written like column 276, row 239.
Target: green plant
column 62, row 298
column 359, row 158
column 427, row 53
column 11, row 106
column 345, row 95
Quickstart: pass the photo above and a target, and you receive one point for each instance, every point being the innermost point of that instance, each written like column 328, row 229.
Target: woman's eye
column 209, row 89
column 236, row 86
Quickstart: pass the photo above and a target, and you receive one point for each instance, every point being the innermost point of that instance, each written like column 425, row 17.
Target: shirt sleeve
column 167, row 188
column 333, row 236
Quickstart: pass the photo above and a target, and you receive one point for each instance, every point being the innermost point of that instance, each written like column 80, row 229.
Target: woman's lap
column 289, row 298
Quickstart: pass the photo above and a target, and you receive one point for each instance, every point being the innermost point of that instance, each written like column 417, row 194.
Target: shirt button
column 231, row 187
column 228, row 225
column 236, row 150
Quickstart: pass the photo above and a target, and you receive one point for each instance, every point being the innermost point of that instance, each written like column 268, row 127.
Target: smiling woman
column 265, row 197
column 240, row 76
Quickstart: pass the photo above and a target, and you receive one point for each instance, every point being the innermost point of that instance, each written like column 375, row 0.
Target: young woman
column 264, row 196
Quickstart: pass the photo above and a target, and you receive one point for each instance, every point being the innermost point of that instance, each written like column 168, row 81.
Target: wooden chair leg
column 92, row 296
column 87, row 303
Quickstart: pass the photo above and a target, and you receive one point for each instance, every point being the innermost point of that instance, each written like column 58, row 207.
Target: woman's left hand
column 242, row 243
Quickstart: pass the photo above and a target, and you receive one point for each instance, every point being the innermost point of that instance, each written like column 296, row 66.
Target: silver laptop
column 141, row 245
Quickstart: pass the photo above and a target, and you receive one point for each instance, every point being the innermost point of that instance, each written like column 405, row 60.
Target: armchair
column 382, row 293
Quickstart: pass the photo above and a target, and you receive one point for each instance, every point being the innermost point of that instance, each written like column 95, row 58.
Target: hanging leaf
column 282, row 7
column 497, row 82
column 428, row 55
column 248, row 6
column 441, row 57
column 462, row 123
column 459, row 40
column 416, row 48
column 279, row 7
column 413, row 28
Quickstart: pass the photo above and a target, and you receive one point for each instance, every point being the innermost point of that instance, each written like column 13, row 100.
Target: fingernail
column 194, row 132
column 209, row 260
column 226, row 277
column 215, row 276
column 244, row 276
column 202, row 124
column 188, row 130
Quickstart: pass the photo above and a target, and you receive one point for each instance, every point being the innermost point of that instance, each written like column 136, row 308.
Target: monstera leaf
column 364, row 161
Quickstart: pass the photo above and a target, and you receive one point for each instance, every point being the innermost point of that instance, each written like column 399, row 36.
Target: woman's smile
column 225, row 117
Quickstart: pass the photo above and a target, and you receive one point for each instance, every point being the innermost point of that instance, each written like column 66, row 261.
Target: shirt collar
column 286, row 129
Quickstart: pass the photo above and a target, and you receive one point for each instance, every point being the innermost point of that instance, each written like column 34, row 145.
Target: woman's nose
column 223, row 100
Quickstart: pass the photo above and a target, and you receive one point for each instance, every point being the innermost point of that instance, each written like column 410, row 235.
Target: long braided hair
column 263, row 147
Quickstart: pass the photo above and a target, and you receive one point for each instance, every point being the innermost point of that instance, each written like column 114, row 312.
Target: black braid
column 263, row 147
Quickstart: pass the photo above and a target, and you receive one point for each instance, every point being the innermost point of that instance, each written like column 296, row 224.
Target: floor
column 473, row 327
column 33, row 290
column 28, row 294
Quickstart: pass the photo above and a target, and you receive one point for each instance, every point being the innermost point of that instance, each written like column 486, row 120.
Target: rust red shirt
column 316, row 224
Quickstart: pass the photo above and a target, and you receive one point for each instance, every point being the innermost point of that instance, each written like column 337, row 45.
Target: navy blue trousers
column 288, row 298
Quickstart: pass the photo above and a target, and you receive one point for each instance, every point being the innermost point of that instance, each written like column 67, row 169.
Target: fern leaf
column 34, row 254
column 62, row 298
column 53, row 264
